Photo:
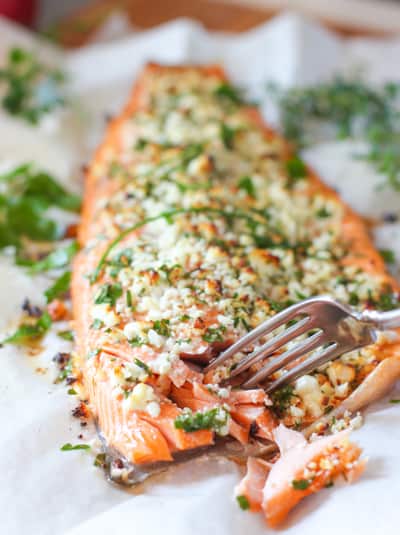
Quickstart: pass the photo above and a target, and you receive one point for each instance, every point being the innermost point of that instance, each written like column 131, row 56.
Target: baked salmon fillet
column 198, row 224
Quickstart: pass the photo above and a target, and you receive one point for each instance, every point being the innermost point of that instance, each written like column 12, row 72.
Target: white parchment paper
column 44, row 491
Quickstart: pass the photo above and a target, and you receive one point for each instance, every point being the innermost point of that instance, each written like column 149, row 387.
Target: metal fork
column 339, row 329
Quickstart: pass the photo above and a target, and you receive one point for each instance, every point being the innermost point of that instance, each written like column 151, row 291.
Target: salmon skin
column 198, row 224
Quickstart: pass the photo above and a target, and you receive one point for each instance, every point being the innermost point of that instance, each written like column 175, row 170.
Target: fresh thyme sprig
column 354, row 109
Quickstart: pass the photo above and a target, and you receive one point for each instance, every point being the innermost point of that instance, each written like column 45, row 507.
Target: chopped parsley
column 190, row 152
column 28, row 332
column 323, row 213
column 214, row 334
column 59, row 288
column 301, row 484
column 57, row 259
column 97, row 324
column 295, row 169
column 388, row 256
column 387, row 300
column 246, row 184
column 32, row 89
column 162, row 327
column 66, row 335
column 354, row 300
column 142, row 365
column 227, row 92
column 141, row 144
column 72, row 392
column 282, row 398
column 108, row 294
column 26, row 195
column 395, row 401
column 69, row 447
column 227, row 135
column 243, row 502
column 215, row 419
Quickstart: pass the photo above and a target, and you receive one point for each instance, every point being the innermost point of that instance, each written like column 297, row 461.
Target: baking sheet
column 45, row 491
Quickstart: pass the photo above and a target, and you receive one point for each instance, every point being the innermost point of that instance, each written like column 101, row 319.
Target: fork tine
column 303, row 347
column 274, row 344
column 262, row 330
column 310, row 364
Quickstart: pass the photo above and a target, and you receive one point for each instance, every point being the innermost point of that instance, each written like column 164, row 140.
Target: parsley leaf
column 246, row 184
column 227, row 135
column 108, row 293
column 214, row 334
column 59, row 287
column 226, row 91
column 162, row 327
column 28, row 332
column 57, row 259
column 32, row 89
column 243, row 502
column 214, row 419
column 388, row 256
column 301, row 484
column 26, row 196
column 296, row 169
column 66, row 335
column 69, row 447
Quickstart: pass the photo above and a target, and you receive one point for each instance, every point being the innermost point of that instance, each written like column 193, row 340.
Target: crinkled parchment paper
column 44, row 491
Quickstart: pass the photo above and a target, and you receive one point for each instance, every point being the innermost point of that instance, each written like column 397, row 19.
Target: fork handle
column 382, row 320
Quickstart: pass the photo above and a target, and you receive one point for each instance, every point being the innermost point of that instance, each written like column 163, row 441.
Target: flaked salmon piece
column 251, row 487
column 177, row 438
column 198, row 397
column 302, row 469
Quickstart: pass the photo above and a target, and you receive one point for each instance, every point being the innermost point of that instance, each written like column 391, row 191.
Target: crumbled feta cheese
column 105, row 314
column 307, row 388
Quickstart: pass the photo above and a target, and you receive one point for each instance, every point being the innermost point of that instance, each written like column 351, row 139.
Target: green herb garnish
column 296, row 169
column 395, row 401
column 28, row 332
column 214, row 334
column 162, row 327
column 388, row 256
column 66, row 335
column 215, row 419
column 97, row 324
column 323, row 213
column 282, row 398
column 227, row 92
column 57, row 259
column 72, row 392
column 246, row 184
column 69, row 447
column 243, row 502
column 108, row 293
column 141, row 143
column 301, row 484
column 59, row 288
column 227, row 135
column 32, row 89
column 355, row 110
column 142, row 365
column 26, row 196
